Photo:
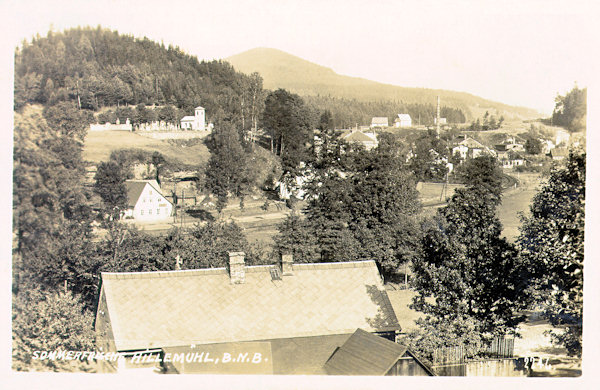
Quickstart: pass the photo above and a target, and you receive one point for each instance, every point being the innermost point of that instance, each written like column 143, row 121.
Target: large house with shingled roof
column 145, row 202
column 283, row 318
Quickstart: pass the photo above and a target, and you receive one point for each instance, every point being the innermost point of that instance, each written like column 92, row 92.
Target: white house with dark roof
column 145, row 202
column 403, row 120
column 196, row 122
column 296, row 315
column 470, row 148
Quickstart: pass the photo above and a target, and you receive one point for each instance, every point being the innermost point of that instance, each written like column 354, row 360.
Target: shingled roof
column 174, row 308
column 367, row 354
column 135, row 188
column 358, row 136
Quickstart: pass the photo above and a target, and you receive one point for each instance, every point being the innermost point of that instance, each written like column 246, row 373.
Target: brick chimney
column 286, row 264
column 237, row 267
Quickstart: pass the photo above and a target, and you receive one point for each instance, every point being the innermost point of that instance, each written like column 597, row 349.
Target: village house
column 547, row 146
column 470, row 148
column 145, row 202
column 284, row 318
column 508, row 158
column 562, row 137
column 403, row 120
column 559, row 154
column 379, row 121
column 367, row 139
column 196, row 122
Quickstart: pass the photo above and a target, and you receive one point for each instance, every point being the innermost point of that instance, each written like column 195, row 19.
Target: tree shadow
column 200, row 214
column 385, row 319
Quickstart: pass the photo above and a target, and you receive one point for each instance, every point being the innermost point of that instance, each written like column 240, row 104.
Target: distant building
column 562, row 137
column 379, row 121
column 403, row 120
column 547, row 146
column 442, row 121
column 470, row 148
column 112, row 127
column 367, row 139
column 146, row 202
column 559, row 154
column 289, row 318
column 196, row 122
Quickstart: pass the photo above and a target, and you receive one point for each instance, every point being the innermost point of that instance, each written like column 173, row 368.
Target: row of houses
column 285, row 318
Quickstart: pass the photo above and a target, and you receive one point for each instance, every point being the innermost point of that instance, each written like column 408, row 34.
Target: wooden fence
column 449, row 355
column 499, row 348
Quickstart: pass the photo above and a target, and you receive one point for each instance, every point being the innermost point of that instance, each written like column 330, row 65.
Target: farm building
column 283, row 319
column 403, row 120
column 145, row 201
column 379, row 121
column 196, row 122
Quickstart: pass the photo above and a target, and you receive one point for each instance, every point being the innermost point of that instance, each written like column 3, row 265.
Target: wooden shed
column 367, row 354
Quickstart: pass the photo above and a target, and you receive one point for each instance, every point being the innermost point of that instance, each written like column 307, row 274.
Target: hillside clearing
column 98, row 146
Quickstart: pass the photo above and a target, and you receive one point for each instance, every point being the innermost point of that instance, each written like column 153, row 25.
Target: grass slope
column 283, row 70
column 99, row 144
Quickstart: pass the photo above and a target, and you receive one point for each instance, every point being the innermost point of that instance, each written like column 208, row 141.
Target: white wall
column 152, row 206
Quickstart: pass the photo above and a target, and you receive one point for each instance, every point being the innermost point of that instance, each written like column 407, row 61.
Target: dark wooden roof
column 364, row 354
column 367, row 354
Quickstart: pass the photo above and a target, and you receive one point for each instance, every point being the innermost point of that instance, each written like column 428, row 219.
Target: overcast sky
column 516, row 52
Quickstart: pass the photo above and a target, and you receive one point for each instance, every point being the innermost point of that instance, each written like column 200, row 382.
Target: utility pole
column 437, row 121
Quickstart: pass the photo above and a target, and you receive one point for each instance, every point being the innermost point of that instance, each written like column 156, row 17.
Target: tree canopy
column 362, row 205
column 94, row 67
column 570, row 110
column 552, row 241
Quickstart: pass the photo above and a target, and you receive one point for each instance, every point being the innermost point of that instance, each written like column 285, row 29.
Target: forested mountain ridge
column 95, row 67
column 283, row 70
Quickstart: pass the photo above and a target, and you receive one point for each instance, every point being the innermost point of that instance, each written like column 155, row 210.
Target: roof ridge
column 156, row 274
column 220, row 270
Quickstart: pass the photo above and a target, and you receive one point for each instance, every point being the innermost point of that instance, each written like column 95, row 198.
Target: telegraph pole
column 437, row 121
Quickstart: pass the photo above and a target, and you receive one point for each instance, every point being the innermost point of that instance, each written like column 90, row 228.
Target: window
column 157, row 211
column 150, row 211
column 141, row 212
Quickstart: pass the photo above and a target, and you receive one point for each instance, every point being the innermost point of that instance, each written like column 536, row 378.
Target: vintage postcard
column 299, row 193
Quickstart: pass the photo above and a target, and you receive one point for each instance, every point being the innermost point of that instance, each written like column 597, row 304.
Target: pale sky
column 516, row 52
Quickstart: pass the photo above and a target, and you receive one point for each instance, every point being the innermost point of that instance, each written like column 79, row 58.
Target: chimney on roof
column 286, row 264
column 237, row 267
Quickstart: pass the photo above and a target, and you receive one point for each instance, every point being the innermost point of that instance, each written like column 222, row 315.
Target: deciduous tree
column 551, row 241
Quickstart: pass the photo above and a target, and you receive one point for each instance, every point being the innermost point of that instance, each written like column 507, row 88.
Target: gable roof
column 174, row 308
column 404, row 117
column 358, row 136
column 135, row 189
column 188, row 118
column 367, row 354
column 471, row 143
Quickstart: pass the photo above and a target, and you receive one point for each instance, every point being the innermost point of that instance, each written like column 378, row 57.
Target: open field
column 517, row 200
column 99, row 144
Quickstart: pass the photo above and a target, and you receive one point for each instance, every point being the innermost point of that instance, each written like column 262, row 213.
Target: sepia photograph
column 298, row 194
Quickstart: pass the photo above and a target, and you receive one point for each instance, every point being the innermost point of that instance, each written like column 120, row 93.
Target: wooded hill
column 95, row 68
column 283, row 70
